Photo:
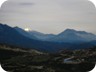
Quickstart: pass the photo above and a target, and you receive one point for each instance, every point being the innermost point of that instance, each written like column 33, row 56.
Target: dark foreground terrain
column 16, row 59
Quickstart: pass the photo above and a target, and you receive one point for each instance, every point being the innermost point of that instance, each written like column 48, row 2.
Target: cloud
column 26, row 3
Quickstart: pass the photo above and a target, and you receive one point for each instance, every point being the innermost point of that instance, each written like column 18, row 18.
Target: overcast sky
column 49, row 16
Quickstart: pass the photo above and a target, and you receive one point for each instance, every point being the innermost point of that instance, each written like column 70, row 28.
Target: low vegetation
column 16, row 59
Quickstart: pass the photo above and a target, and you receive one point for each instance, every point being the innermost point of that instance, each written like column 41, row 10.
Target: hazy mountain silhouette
column 11, row 36
column 69, row 35
column 25, row 33
column 41, row 36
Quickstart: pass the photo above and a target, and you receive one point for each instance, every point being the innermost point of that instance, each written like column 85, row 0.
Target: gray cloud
column 26, row 3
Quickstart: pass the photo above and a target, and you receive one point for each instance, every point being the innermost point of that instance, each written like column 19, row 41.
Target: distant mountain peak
column 74, row 31
column 70, row 30
column 5, row 27
column 16, row 27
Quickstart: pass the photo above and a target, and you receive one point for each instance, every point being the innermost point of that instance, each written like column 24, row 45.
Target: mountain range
column 68, row 39
column 68, row 35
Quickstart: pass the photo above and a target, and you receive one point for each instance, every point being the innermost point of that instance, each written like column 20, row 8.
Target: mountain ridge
column 87, row 36
column 68, row 34
column 11, row 36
